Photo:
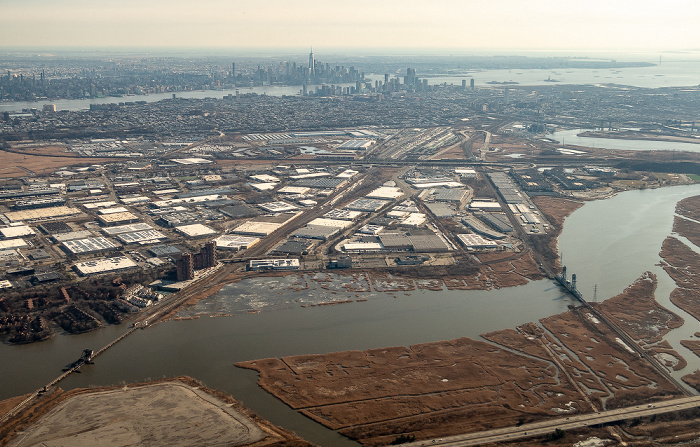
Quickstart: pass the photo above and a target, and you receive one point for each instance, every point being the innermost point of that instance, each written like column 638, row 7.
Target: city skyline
column 450, row 25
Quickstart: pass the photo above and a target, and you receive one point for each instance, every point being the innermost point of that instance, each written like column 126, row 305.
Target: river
column 608, row 243
column 571, row 137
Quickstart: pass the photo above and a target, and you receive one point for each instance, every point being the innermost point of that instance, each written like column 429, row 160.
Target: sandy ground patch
column 159, row 414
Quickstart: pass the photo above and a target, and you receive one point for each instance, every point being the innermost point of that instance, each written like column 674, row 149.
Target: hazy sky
column 641, row 25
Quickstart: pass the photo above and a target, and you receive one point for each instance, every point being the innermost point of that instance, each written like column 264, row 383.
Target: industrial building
column 343, row 214
column 321, row 232
column 142, row 237
column 71, row 236
column 235, row 242
column 440, row 210
column 89, row 245
column 114, row 264
column 55, row 227
column 274, row 264
column 386, row 192
column 497, row 221
column 41, row 214
column 129, row 228
column 366, row 205
column 294, row 248
column 164, row 250
column 356, row 145
column 256, row 228
column 323, row 222
column 13, row 231
column 277, row 207
column 117, row 219
column 476, row 242
column 195, row 230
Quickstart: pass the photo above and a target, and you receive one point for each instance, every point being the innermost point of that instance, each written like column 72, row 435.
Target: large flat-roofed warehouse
column 498, row 222
column 41, row 214
column 16, row 231
column 117, row 219
column 164, row 250
column 322, row 221
column 11, row 244
column 475, row 241
column 321, row 232
column 366, row 205
column 256, row 228
column 428, row 243
column 71, row 236
column 456, row 195
column 55, row 227
column 294, row 248
column 277, row 207
column 89, row 245
column 195, row 230
column 129, row 228
column 104, row 265
column 343, row 214
column 142, row 237
column 356, row 145
column 239, row 211
column 395, row 242
column 235, row 242
column 386, row 192
column 440, row 209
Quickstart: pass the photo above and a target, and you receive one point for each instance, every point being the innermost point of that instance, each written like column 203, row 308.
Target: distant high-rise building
column 471, row 83
column 464, row 84
column 233, row 69
column 312, row 64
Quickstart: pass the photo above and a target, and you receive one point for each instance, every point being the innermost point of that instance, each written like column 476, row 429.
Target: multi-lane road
column 563, row 423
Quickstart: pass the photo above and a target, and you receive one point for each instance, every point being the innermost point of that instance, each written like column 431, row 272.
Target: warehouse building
column 14, row 231
column 277, row 207
column 142, row 237
column 195, row 231
column 54, row 212
column 321, row 232
column 476, row 242
column 129, row 228
column 55, row 227
column 366, row 205
column 256, row 228
column 106, row 265
column 274, row 264
column 89, row 245
column 117, row 219
column 234, row 242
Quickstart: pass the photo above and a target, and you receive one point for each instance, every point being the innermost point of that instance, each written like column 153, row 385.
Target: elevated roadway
column 563, row 423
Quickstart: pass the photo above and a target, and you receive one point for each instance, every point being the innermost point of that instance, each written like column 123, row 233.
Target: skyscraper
column 312, row 65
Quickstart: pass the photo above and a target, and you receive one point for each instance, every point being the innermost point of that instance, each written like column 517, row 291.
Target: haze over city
column 349, row 224
column 597, row 25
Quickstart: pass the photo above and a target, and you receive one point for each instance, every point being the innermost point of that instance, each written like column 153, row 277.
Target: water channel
column 571, row 137
column 608, row 242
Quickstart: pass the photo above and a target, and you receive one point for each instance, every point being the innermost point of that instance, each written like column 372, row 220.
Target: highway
column 562, row 423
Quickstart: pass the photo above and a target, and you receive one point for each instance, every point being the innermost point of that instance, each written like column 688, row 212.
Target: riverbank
column 575, row 365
